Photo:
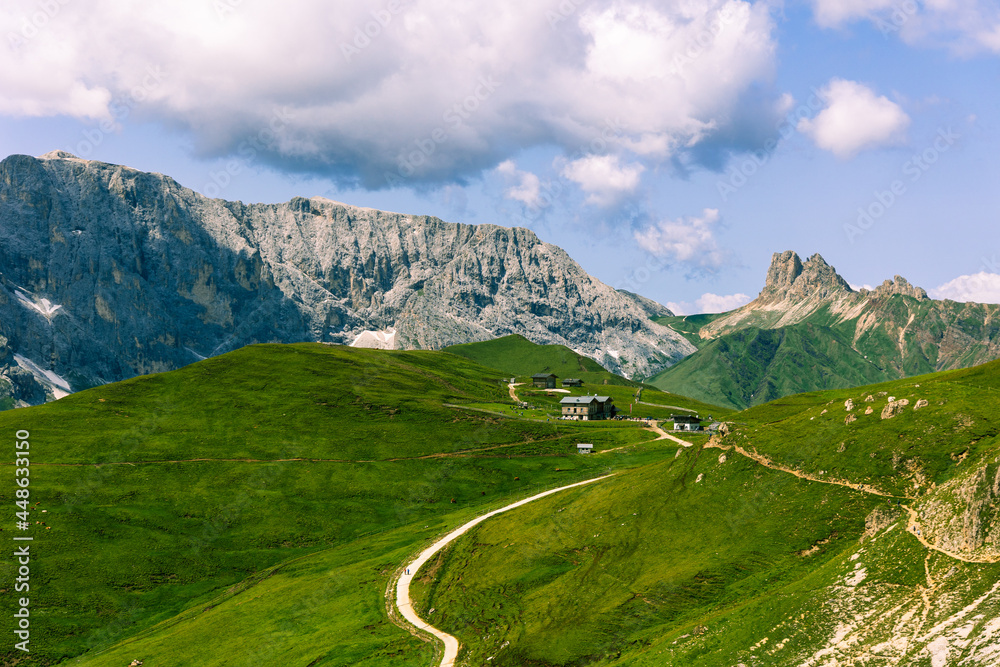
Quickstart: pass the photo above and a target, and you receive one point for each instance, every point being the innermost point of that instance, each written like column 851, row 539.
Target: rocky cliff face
column 108, row 272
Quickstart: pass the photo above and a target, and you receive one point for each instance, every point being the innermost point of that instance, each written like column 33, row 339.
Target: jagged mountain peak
column 790, row 278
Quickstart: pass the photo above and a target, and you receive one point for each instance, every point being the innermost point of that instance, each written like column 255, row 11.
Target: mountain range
column 109, row 272
column 808, row 329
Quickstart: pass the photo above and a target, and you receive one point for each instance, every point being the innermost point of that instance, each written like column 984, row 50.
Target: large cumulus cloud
column 392, row 91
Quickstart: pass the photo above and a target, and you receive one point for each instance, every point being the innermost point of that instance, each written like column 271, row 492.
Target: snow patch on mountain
column 53, row 382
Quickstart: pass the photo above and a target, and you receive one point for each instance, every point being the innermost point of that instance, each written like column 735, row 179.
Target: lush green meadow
column 705, row 558
column 162, row 492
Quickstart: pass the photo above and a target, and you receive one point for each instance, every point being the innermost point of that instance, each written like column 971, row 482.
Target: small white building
column 686, row 422
column 584, row 448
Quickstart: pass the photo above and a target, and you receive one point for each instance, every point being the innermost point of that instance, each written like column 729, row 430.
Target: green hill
column 259, row 501
column 754, row 366
column 518, row 356
column 786, row 541
column 251, row 509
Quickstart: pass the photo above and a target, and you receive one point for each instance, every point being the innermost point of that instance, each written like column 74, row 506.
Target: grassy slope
column 139, row 531
column 602, row 571
column 656, row 568
column 754, row 366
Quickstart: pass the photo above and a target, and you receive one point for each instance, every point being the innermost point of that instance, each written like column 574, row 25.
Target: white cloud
column 441, row 90
column 710, row 303
column 688, row 240
column 855, row 119
column 525, row 186
column 603, row 177
column 965, row 27
column 981, row 287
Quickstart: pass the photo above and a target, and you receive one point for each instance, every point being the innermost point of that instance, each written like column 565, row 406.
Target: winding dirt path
column 768, row 463
column 402, row 585
column 510, row 389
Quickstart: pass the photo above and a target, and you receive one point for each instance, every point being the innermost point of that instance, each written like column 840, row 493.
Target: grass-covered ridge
column 753, row 366
column 517, row 356
column 165, row 491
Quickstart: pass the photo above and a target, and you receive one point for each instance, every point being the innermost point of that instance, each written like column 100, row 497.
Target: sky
column 670, row 147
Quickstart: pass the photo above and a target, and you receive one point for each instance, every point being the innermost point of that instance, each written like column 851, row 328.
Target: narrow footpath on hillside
column 404, row 605
column 913, row 526
column 668, row 407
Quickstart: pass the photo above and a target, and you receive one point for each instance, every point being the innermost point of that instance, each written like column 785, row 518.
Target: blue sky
column 670, row 147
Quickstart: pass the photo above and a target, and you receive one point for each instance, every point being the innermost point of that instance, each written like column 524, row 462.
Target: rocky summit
column 109, row 272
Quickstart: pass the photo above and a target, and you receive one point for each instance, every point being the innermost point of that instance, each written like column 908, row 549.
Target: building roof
column 572, row 380
column 584, row 400
column 685, row 418
column 582, row 445
column 578, row 400
column 543, row 376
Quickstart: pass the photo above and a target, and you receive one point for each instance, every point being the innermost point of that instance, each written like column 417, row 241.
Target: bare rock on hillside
column 893, row 408
column 963, row 514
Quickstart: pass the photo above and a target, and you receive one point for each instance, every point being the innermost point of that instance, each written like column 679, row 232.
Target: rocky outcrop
column 107, row 272
column 962, row 516
column 893, row 407
column 809, row 330
column 898, row 285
